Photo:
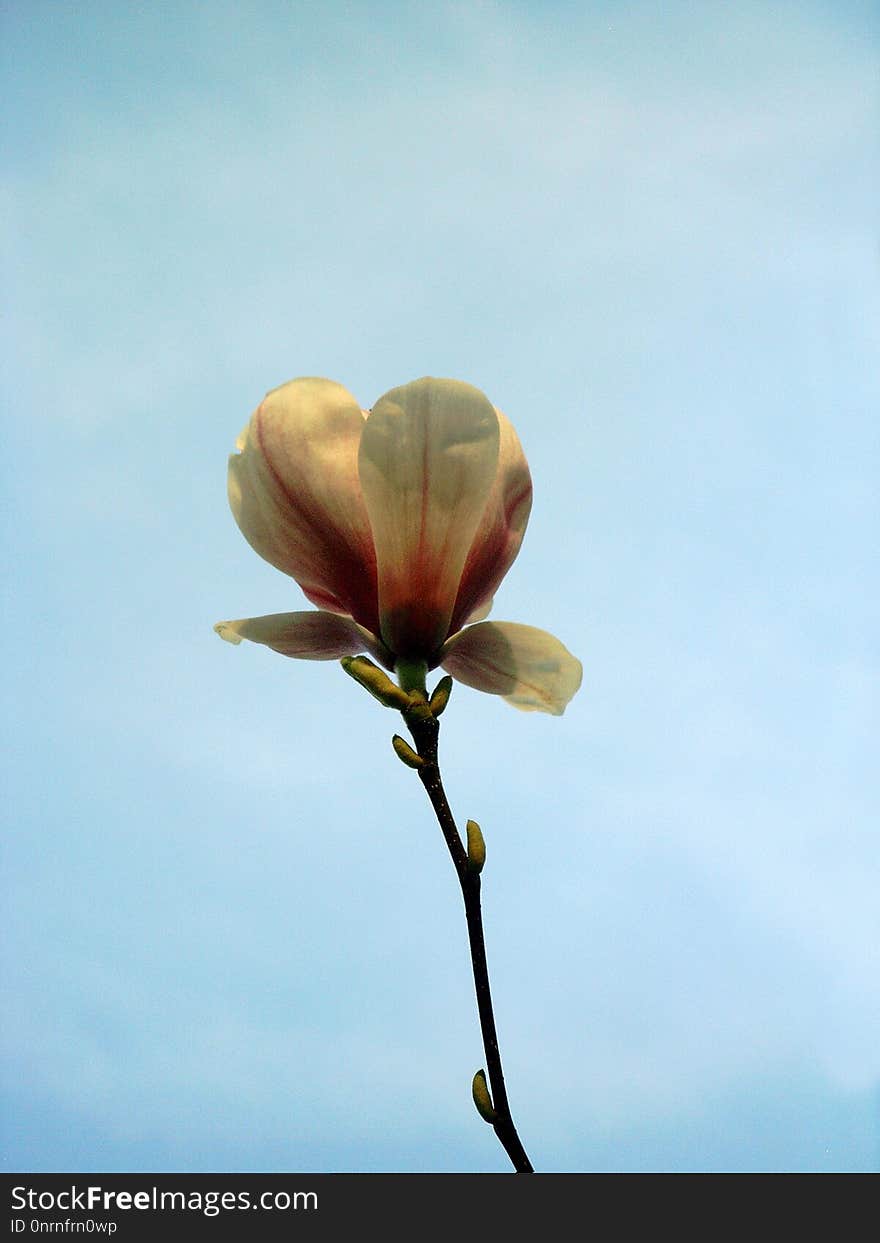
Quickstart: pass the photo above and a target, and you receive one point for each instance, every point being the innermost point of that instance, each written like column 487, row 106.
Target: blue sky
column 648, row 233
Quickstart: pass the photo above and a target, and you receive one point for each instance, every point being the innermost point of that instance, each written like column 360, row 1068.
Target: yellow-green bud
column 476, row 847
column 411, row 758
column 375, row 680
column 440, row 697
column 482, row 1099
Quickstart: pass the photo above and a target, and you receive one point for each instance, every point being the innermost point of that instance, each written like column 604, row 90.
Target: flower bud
column 476, row 847
column 376, row 681
column 440, row 697
column 411, row 758
column 482, row 1099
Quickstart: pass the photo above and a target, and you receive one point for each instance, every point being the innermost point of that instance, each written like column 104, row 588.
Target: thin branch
column 425, row 729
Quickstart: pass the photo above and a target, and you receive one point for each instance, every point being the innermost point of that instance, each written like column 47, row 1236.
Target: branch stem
column 425, row 729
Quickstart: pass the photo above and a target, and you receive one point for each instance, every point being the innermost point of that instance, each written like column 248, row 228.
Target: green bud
column 411, row 758
column 440, row 697
column 476, row 847
column 482, row 1099
column 375, row 680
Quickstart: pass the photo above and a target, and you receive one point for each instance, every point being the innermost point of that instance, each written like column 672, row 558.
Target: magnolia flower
column 399, row 524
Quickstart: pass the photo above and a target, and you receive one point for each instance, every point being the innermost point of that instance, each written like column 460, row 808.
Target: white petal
column 428, row 457
column 310, row 635
column 500, row 531
column 481, row 612
column 530, row 668
column 295, row 493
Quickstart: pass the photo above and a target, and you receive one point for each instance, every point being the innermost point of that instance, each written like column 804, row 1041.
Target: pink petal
column 295, row 494
column 500, row 532
column 530, row 668
column 309, row 635
column 428, row 457
column 481, row 612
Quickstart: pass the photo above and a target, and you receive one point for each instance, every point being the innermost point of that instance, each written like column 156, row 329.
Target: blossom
column 399, row 523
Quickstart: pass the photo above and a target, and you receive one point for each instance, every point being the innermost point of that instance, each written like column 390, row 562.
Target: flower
column 399, row 523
